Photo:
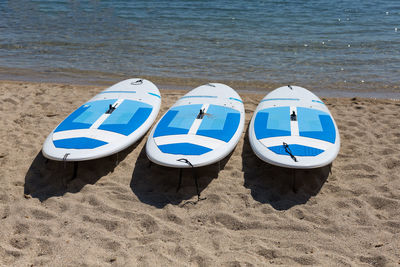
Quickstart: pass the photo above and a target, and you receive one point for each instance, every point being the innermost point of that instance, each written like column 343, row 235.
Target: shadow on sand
column 157, row 185
column 282, row 188
column 48, row 178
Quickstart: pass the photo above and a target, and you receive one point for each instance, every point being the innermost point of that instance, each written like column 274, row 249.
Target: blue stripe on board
column 236, row 99
column 297, row 150
column 117, row 92
column 79, row 143
column 184, row 149
column 317, row 101
column 273, row 99
column 155, row 95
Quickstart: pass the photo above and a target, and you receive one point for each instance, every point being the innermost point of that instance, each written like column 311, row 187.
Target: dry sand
column 129, row 213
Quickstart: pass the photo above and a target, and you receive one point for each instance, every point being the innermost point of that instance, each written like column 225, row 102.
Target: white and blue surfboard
column 201, row 128
column 106, row 124
column 293, row 128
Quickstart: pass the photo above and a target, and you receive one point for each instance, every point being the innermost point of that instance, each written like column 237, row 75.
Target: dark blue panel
column 231, row 124
column 327, row 134
column 78, row 143
column 85, row 116
column 68, row 123
column 135, row 122
column 297, row 150
column 163, row 129
column 260, row 127
column 184, row 149
column 316, row 124
column 177, row 120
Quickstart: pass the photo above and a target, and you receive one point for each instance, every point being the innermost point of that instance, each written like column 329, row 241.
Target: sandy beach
column 122, row 211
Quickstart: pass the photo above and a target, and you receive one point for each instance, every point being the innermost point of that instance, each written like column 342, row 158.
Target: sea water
column 325, row 44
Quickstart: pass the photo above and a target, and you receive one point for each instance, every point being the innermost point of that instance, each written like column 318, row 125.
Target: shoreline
column 379, row 90
column 187, row 85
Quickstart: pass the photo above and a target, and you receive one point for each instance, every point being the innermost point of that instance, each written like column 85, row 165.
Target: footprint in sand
column 392, row 163
column 45, row 247
column 381, row 203
column 358, row 167
column 20, row 242
column 374, row 260
column 109, row 244
column 148, row 224
column 21, row 228
column 42, row 215
column 268, row 254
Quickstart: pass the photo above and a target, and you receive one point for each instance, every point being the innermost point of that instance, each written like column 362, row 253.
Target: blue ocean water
column 316, row 42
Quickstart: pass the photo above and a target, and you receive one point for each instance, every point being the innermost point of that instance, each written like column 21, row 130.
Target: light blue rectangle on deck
column 215, row 118
column 94, row 111
column 316, row 124
column 279, row 118
column 177, row 120
column 127, row 117
column 309, row 120
column 185, row 116
column 272, row 122
column 220, row 123
column 124, row 112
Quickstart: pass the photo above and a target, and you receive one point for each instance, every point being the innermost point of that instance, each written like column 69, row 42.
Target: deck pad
column 177, row 120
column 316, row 124
column 271, row 122
column 128, row 117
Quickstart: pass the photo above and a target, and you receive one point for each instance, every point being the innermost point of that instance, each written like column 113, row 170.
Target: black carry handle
column 201, row 114
column 110, row 109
